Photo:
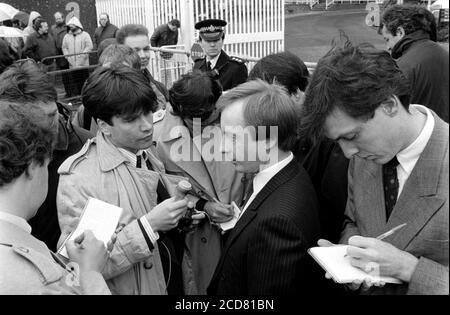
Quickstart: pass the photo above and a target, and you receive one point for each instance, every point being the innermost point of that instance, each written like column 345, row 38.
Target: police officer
column 230, row 71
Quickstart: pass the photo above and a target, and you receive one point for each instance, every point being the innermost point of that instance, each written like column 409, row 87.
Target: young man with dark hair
column 27, row 266
column 136, row 37
column 230, row 71
column 398, row 172
column 119, row 167
column 410, row 34
column 266, row 252
column 27, row 84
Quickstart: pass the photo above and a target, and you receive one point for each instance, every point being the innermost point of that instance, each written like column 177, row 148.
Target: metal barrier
column 170, row 70
column 167, row 65
column 69, row 78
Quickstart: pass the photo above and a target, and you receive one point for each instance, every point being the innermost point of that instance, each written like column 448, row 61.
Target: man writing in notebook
column 119, row 167
column 398, row 171
column 265, row 253
column 27, row 266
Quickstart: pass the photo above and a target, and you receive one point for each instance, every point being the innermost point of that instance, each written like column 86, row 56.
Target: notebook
column 332, row 259
column 99, row 217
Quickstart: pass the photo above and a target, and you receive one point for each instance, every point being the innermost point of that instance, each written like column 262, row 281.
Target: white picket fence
column 255, row 27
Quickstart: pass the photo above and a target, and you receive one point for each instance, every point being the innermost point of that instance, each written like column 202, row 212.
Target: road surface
column 310, row 36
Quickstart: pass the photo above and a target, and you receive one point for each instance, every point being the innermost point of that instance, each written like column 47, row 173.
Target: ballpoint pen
column 388, row 233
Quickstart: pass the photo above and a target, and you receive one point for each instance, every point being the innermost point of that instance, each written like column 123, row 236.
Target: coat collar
column 110, row 158
column 405, row 43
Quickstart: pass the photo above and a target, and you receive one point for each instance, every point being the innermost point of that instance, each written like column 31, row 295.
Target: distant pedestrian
column 166, row 35
column 104, row 31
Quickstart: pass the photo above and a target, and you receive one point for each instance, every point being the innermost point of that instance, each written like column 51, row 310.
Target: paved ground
column 310, row 35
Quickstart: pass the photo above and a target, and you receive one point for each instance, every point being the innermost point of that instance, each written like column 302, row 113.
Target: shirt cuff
column 152, row 235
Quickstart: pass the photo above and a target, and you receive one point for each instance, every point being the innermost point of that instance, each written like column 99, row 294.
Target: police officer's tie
column 391, row 185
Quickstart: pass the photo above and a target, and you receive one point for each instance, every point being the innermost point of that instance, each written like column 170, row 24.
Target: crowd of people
column 279, row 161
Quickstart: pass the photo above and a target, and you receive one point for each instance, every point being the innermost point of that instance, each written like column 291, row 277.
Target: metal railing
column 167, row 65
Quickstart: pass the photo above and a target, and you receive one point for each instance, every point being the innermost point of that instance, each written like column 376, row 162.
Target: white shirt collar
column 408, row 157
column 16, row 220
column 214, row 60
column 263, row 177
column 131, row 157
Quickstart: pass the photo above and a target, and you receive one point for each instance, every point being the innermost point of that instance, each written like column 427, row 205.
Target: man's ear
column 104, row 127
column 391, row 106
column 400, row 32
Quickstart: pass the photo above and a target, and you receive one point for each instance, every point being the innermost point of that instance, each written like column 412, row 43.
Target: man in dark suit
column 266, row 252
column 230, row 71
column 398, row 173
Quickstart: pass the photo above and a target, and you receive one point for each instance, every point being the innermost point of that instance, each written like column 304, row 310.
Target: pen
column 388, row 233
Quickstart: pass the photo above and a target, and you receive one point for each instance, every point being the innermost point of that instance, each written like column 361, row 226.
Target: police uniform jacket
column 230, row 71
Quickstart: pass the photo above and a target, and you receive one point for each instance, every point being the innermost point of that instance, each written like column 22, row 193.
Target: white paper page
column 231, row 224
column 333, row 260
column 99, row 217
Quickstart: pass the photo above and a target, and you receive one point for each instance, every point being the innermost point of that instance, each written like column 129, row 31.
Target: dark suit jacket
column 266, row 252
column 328, row 168
column 423, row 205
column 230, row 71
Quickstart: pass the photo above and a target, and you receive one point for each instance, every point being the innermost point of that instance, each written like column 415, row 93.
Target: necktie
column 162, row 192
column 248, row 191
column 391, row 185
column 208, row 66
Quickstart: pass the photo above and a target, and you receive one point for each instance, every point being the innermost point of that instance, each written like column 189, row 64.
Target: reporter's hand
column 219, row 212
column 356, row 285
column 88, row 252
column 380, row 258
column 165, row 216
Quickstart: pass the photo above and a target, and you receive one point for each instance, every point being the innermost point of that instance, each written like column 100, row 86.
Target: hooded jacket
column 76, row 44
column 29, row 29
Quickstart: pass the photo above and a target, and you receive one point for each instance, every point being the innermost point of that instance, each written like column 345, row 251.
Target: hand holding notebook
column 334, row 261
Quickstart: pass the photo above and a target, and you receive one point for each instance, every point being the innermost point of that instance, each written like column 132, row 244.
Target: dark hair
column 37, row 23
column 130, row 30
column 118, row 91
column 195, row 95
column 266, row 105
column 355, row 79
column 120, row 54
column 24, row 138
column 411, row 17
column 175, row 22
column 26, row 83
column 283, row 68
